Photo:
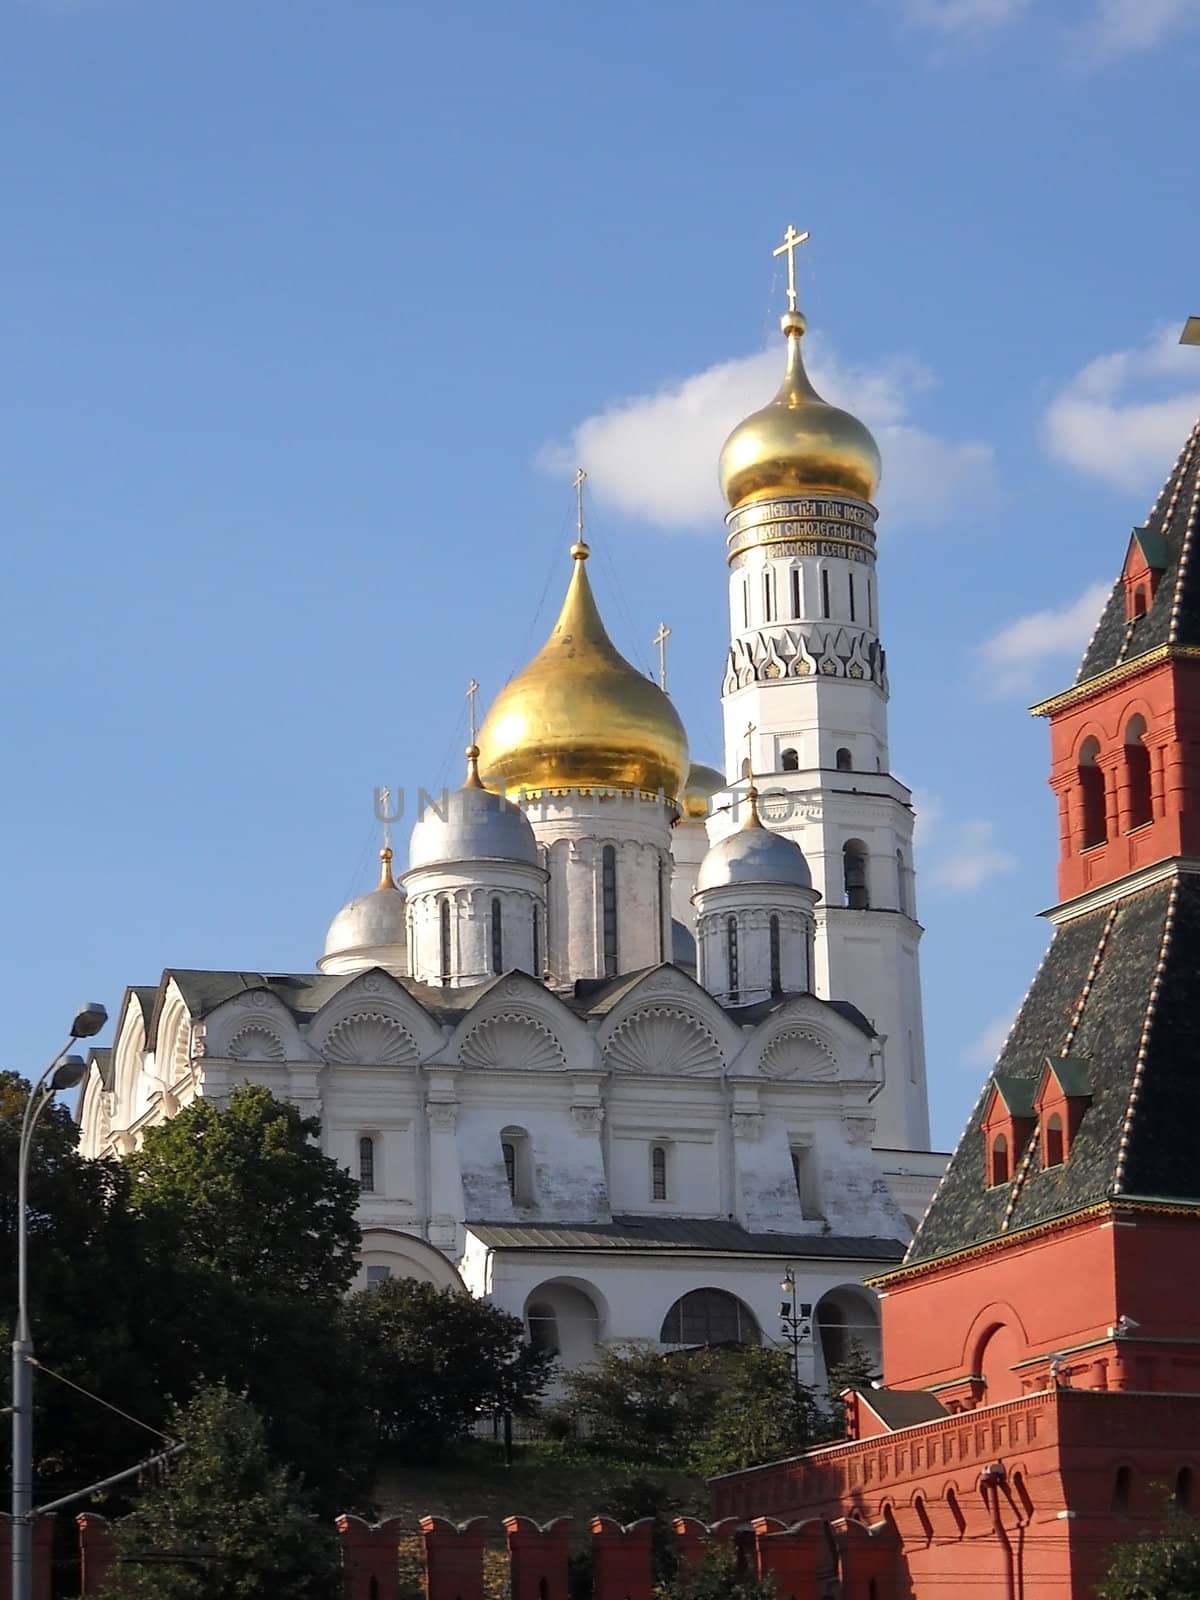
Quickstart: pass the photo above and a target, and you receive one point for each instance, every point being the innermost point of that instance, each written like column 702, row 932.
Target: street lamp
column 795, row 1320
column 64, row 1072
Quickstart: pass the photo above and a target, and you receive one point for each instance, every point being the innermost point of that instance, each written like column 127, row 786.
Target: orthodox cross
column 580, row 480
column 383, row 802
column 660, row 639
column 791, row 242
column 472, row 692
column 751, row 730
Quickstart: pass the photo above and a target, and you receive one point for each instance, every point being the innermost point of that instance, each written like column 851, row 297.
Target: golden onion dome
column 798, row 444
column 580, row 715
column 702, row 783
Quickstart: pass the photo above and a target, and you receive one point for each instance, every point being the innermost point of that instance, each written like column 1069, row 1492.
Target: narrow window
column 843, row 760
column 767, row 617
column 1137, row 772
column 1139, row 603
column 999, row 1172
column 445, row 914
column 795, row 592
column 366, row 1164
column 796, row 1174
column 854, row 871
column 1091, row 784
column 776, row 965
column 608, row 897
column 497, row 938
column 745, row 602
column 537, row 943
column 658, row 1172
column 870, row 605
column 902, row 884
column 1053, row 1156
column 1121, row 1488
column 824, row 593
column 731, row 939
column 789, row 761
column 853, row 615
column 662, row 899
column 377, row 1275
column 509, row 1152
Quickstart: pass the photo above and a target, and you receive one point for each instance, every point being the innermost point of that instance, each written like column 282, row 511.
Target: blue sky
column 307, row 304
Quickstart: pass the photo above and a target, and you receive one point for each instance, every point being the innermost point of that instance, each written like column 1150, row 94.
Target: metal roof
column 698, row 1236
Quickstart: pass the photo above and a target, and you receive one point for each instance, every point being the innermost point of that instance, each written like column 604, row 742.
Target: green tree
column 637, row 1399
column 855, row 1371
column 429, row 1361
column 1157, row 1566
column 758, row 1412
column 229, row 1523
column 716, row 1578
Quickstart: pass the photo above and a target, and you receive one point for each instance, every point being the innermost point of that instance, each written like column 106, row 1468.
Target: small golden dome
column 580, row 716
column 798, row 444
column 702, row 783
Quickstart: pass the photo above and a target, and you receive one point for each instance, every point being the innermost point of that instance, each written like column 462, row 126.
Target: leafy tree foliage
column 638, row 1399
column 857, row 1371
column 717, row 1578
column 1157, row 1566
column 431, row 1360
column 758, row 1413
column 229, row 1523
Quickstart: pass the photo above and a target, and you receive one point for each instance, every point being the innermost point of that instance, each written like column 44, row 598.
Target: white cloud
column 1124, row 416
column 1122, row 27
column 956, row 856
column 980, row 1054
column 654, row 456
column 962, row 16
column 1013, row 655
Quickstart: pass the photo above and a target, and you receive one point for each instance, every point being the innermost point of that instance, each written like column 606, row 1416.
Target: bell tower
column 804, row 699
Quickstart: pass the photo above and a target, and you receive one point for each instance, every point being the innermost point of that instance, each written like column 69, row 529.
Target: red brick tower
column 1042, row 1337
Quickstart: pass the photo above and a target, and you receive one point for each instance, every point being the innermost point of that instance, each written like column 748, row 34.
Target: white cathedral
column 630, row 1041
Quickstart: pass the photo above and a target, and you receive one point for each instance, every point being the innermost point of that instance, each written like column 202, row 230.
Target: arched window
column 1139, row 602
column 1053, row 1152
column 795, row 592
column 843, row 761
column 768, row 610
column 999, row 1152
column 1137, row 772
column 497, row 937
column 658, row 1172
column 543, row 1327
column 731, row 955
column 518, row 1165
column 709, row 1316
column 445, row 916
column 789, row 760
column 509, row 1151
column 1091, row 785
column 1122, row 1485
column 537, row 942
column 776, row 961
column 608, row 896
column 366, row 1163
column 824, row 593
column 854, row 870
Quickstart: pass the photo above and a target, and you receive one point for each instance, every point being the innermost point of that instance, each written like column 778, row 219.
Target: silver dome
column 373, row 921
column 754, row 854
column 683, row 945
column 472, row 824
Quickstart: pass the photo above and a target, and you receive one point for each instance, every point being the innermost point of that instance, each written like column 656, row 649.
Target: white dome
column 473, row 825
column 374, row 921
column 754, row 854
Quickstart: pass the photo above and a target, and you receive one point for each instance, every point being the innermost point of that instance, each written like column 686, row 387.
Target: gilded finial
column 791, row 243
column 386, row 880
column 473, row 779
column 579, row 550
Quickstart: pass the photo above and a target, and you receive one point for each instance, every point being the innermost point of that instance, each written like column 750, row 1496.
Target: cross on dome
column 791, row 243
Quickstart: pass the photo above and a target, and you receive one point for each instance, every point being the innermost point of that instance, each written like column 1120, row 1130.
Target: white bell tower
column 804, row 699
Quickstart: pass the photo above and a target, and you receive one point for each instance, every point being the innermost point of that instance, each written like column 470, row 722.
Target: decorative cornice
column 1121, row 888
column 1078, row 692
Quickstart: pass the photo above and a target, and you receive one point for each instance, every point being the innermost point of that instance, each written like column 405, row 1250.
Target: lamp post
column 795, row 1320
column 64, row 1072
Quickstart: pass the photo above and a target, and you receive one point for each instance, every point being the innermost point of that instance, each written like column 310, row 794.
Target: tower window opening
column 999, row 1153
column 902, row 884
column 445, row 931
column 854, row 874
column 1139, row 603
column 853, row 615
column 789, row 760
column 1137, row 773
column 537, row 943
column 795, row 593
column 1091, row 786
column 870, row 604
column 745, row 603
column 658, row 1172
column 731, row 945
column 1052, row 1154
column 768, row 612
column 843, row 761
column 366, row 1164
column 824, row 592
column 497, row 937
column 776, row 962
column 518, row 1165
column 608, row 896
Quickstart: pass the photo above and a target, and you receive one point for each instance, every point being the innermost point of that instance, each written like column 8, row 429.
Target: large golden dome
column 798, row 444
column 580, row 716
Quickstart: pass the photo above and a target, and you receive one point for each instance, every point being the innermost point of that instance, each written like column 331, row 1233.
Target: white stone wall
column 470, row 889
